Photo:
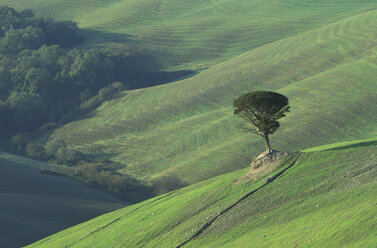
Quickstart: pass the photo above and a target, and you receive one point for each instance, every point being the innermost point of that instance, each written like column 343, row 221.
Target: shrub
column 18, row 143
column 35, row 150
column 53, row 146
column 90, row 104
column 105, row 93
column 85, row 95
column 68, row 156
column 48, row 126
column 118, row 86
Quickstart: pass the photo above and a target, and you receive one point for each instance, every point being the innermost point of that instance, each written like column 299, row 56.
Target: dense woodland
column 41, row 78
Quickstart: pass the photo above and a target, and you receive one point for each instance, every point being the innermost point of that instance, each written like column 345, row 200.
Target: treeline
column 41, row 79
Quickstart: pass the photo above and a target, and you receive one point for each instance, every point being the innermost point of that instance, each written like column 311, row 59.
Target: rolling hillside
column 35, row 205
column 321, row 54
column 197, row 33
column 321, row 199
column 186, row 128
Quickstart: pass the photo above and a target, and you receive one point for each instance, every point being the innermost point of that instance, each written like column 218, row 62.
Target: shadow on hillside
column 357, row 145
column 154, row 75
column 98, row 37
column 35, row 205
column 104, row 176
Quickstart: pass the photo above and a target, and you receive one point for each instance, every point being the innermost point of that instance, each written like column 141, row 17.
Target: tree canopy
column 42, row 80
column 262, row 109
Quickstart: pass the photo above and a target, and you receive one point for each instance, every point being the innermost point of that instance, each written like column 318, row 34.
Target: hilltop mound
column 266, row 162
column 268, row 157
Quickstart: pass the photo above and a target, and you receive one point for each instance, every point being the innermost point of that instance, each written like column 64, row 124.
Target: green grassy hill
column 197, row 33
column 314, row 199
column 321, row 54
column 186, row 128
column 35, row 205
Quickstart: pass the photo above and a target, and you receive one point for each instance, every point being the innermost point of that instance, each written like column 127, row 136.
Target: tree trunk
column 267, row 142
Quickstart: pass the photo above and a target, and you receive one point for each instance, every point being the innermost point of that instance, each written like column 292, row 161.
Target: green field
column 186, row 128
column 321, row 199
column 34, row 205
column 197, row 33
column 321, row 54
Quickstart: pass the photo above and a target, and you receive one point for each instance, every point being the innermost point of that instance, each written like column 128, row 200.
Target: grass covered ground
column 186, row 128
column 321, row 199
column 35, row 205
column 198, row 33
column 321, row 54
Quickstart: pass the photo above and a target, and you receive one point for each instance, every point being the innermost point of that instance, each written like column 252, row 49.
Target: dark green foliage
column 262, row 109
column 105, row 92
column 35, row 150
column 17, row 40
column 68, row 156
column 53, row 146
column 18, row 142
column 5, row 115
column 118, row 86
column 40, row 82
column 63, row 33
column 28, row 110
column 30, row 32
column 85, row 95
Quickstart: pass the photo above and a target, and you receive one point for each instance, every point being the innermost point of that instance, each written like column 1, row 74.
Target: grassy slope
column 196, row 33
column 34, row 205
column 187, row 127
column 326, row 199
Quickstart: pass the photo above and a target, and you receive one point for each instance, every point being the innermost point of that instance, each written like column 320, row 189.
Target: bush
column 53, row 146
column 18, row 143
column 105, row 93
column 118, row 86
column 35, row 150
column 17, row 40
column 85, row 95
column 48, row 126
column 68, row 156
column 90, row 104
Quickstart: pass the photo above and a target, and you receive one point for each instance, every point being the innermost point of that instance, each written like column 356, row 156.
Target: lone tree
column 262, row 109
